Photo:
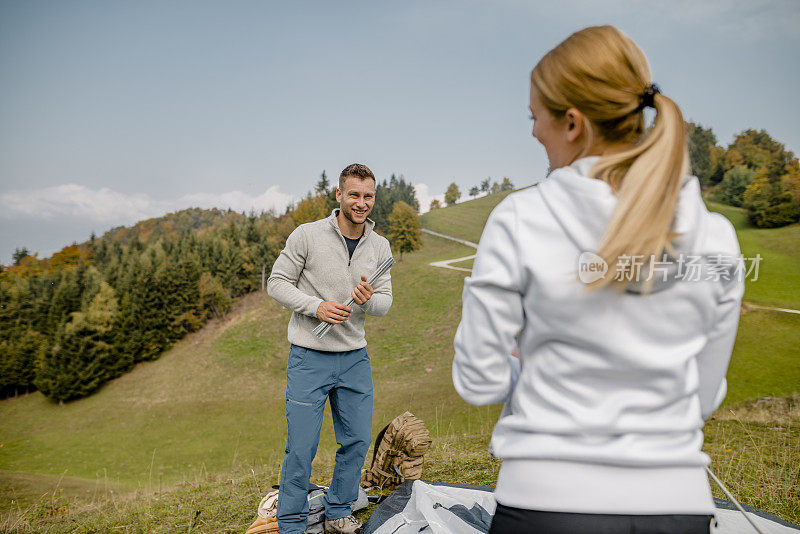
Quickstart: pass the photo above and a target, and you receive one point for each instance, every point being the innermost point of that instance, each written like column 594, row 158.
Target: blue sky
column 111, row 111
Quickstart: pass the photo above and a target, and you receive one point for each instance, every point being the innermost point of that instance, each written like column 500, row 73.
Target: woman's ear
column 574, row 124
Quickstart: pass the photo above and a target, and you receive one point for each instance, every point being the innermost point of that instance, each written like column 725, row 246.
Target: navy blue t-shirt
column 351, row 245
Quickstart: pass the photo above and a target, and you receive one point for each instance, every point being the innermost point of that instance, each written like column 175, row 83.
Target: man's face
column 356, row 198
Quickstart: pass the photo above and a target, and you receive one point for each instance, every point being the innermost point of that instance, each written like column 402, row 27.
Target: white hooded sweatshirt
column 604, row 408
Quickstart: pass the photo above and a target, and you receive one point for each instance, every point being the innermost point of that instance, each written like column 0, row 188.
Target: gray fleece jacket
column 314, row 267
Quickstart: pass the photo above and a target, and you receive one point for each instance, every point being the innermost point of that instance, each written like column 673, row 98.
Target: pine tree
column 83, row 359
column 76, row 366
column 18, row 254
column 323, row 184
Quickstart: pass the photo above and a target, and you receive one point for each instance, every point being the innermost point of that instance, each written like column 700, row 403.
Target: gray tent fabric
column 435, row 507
column 444, row 508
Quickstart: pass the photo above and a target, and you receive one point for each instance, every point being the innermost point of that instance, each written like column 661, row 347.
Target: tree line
column 89, row 313
column 755, row 172
column 453, row 193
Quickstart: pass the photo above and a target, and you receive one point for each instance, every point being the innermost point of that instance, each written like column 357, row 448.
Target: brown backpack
column 399, row 452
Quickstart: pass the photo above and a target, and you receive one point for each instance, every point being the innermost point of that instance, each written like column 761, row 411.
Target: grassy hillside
column 778, row 283
column 463, row 220
column 208, row 416
column 215, row 401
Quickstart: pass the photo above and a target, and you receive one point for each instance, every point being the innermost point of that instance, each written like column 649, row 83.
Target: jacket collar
column 368, row 226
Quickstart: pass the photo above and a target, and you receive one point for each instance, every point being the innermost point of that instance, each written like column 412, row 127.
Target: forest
column 90, row 312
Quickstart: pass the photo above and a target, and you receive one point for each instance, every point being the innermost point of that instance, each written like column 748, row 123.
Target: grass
column 753, row 446
column 778, row 282
column 163, row 422
column 192, row 441
column 465, row 220
column 466, row 264
column 226, row 503
column 765, row 361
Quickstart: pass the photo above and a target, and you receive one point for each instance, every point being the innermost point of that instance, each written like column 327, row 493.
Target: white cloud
column 424, row 197
column 271, row 199
column 109, row 207
column 79, row 202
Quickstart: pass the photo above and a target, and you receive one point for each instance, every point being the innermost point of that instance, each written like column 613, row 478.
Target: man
column 324, row 264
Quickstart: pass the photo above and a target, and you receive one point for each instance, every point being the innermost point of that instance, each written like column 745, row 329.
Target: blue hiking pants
column 311, row 378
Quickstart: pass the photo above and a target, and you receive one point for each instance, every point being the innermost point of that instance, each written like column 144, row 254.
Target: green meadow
column 190, row 442
column 778, row 281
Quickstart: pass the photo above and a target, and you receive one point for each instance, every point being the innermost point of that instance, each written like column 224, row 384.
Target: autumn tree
column 769, row 198
column 452, row 194
column 214, row 296
column 405, row 229
column 435, row 204
column 311, row 208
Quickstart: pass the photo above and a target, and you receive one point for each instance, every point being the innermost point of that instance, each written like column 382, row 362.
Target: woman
column 618, row 368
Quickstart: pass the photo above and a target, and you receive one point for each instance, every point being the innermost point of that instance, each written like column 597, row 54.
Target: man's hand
column 362, row 292
column 333, row 312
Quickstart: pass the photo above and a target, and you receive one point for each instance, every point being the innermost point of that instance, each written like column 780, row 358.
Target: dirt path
column 445, row 264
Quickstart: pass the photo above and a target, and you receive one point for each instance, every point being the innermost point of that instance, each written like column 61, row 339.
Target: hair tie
column 649, row 96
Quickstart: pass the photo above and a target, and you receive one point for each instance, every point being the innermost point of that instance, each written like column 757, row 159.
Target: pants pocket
column 296, row 355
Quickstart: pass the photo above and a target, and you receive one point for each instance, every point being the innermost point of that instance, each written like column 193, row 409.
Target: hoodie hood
column 583, row 207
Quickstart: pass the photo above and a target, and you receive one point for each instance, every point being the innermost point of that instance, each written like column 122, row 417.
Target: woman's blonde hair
column 603, row 74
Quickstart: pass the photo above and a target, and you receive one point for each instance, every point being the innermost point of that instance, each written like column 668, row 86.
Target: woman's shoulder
column 721, row 234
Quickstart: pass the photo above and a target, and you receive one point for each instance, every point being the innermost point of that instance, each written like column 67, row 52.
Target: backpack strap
column 378, row 440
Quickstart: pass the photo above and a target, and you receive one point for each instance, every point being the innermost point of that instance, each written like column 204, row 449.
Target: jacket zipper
column 360, row 240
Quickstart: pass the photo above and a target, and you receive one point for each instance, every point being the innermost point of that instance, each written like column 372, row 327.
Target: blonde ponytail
column 603, row 74
column 646, row 180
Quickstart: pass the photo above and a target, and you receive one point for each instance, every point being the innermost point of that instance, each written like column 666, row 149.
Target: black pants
column 518, row 521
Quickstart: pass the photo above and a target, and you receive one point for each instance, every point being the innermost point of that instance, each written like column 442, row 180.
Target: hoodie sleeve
column 713, row 360
column 378, row 305
column 282, row 283
column 483, row 370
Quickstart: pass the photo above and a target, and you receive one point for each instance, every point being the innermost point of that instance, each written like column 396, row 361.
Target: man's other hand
column 333, row 312
column 362, row 292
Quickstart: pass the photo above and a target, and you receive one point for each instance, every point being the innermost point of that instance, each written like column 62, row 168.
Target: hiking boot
column 343, row 525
